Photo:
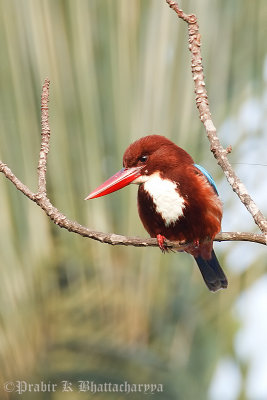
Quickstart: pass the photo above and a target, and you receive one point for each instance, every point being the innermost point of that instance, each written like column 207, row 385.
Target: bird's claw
column 161, row 242
column 196, row 244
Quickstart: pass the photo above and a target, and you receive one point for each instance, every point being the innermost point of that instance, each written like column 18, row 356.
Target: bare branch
column 61, row 220
column 41, row 199
column 19, row 185
column 45, row 139
column 203, row 107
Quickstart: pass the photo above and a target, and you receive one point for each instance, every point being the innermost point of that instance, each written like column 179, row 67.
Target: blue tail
column 212, row 272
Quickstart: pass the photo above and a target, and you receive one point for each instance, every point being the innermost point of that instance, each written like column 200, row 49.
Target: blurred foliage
column 71, row 308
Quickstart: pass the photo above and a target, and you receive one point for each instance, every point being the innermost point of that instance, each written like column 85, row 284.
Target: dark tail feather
column 212, row 272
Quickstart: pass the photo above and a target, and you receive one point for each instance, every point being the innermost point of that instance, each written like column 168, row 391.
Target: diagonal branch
column 41, row 199
column 111, row 238
column 203, row 107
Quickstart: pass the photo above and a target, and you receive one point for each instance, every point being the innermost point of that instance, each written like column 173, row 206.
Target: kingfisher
column 177, row 200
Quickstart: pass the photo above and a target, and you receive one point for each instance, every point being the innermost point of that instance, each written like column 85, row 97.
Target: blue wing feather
column 208, row 176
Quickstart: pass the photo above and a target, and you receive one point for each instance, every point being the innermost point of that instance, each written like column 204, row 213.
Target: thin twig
column 19, row 185
column 61, row 220
column 203, row 107
column 41, row 199
column 45, row 139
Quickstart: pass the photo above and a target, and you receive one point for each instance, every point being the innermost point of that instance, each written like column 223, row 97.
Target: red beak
column 122, row 178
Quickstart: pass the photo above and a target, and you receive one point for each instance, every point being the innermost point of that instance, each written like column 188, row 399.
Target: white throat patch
column 169, row 204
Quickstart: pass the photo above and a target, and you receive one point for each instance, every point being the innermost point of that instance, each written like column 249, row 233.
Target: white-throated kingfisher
column 177, row 200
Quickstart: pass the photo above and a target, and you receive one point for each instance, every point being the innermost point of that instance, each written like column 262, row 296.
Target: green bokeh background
column 74, row 309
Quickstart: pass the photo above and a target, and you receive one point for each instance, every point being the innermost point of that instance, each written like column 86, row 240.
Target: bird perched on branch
column 177, row 200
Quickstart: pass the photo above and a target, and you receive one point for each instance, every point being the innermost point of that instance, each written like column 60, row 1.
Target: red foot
column 161, row 242
column 196, row 243
column 193, row 248
column 202, row 249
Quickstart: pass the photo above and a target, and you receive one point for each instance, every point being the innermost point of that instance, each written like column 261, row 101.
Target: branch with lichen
column 205, row 116
column 41, row 199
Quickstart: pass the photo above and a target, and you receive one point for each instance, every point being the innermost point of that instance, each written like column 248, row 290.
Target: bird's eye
column 143, row 158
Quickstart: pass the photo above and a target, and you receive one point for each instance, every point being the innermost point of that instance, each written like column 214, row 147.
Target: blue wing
column 208, row 176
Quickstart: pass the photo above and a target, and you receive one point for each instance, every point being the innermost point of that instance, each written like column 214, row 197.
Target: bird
column 177, row 200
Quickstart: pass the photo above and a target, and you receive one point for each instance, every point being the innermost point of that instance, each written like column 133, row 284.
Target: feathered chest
column 179, row 208
column 163, row 196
